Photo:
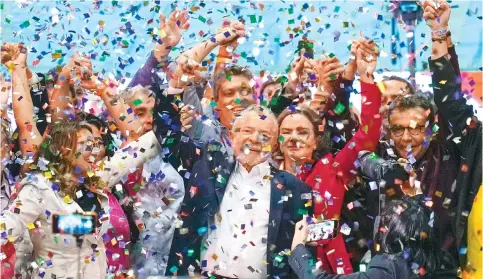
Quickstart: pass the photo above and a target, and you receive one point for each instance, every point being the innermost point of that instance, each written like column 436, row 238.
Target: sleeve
column 454, row 61
column 177, row 147
column 302, row 263
column 366, row 137
column 448, row 96
column 145, row 75
column 21, row 214
column 126, row 160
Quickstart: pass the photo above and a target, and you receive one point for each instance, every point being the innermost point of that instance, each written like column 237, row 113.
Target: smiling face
column 299, row 139
column 233, row 97
column 407, row 128
column 143, row 105
column 253, row 138
column 83, row 152
column 99, row 146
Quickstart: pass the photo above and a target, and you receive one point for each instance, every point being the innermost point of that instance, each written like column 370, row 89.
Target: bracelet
column 439, row 40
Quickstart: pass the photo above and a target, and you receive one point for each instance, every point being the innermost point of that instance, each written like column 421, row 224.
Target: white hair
column 261, row 110
column 129, row 92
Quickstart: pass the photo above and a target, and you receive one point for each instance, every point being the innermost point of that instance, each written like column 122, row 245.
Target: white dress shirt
column 237, row 238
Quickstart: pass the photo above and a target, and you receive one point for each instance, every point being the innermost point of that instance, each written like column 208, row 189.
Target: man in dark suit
column 239, row 213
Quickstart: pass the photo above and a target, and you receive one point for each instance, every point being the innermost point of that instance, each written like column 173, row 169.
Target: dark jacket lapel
column 276, row 207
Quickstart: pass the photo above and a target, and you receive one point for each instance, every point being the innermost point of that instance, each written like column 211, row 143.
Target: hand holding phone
column 326, row 229
column 76, row 224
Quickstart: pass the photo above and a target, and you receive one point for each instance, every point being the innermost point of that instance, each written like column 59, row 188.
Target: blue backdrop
column 116, row 33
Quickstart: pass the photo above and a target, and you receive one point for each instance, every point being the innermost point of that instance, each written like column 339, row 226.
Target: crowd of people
column 206, row 172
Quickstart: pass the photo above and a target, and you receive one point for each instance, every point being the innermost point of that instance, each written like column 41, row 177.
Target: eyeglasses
column 398, row 130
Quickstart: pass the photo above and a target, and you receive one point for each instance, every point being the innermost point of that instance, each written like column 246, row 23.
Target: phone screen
column 323, row 230
column 74, row 224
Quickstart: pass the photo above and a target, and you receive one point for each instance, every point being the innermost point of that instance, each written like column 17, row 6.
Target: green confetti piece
column 212, row 104
column 25, row 24
column 277, row 40
column 435, row 128
column 137, row 187
column 170, row 141
column 56, row 240
column 278, row 258
column 332, row 76
column 122, row 117
column 228, row 77
column 253, row 19
column 103, row 58
column 263, row 103
column 173, row 269
column 303, row 211
column 125, row 43
column 336, row 9
column 290, row 10
column 1, row 6
column 237, row 101
column 202, row 230
column 345, row 24
column 123, row 19
column 137, row 102
column 339, row 108
column 291, row 21
column 331, row 55
column 190, row 252
column 114, row 3
column 7, row 20
column 202, row 19
column 281, row 139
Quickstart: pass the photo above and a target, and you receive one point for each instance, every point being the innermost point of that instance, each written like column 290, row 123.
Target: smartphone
column 75, row 223
column 308, row 46
column 326, row 229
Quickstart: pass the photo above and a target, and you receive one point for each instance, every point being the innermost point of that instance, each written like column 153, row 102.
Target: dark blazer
column 382, row 266
column 207, row 173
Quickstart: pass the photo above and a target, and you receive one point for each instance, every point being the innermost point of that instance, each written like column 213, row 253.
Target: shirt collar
column 261, row 170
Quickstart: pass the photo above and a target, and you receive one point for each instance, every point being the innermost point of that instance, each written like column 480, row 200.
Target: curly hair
column 403, row 103
column 58, row 150
column 323, row 141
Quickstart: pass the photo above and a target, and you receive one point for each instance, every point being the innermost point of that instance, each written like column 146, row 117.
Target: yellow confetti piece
column 381, row 87
column 317, row 19
column 161, row 33
column 67, row 199
column 11, row 238
column 438, row 194
column 90, row 173
column 113, row 242
column 443, row 82
column 30, row 226
column 48, row 175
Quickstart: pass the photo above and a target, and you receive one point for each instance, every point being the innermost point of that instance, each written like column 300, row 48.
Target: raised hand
column 300, row 67
column 78, row 67
column 367, row 53
column 436, row 13
column 327, row 71
column 230, row 32
column 186, row 71
column 171, row 30
column 13, row 55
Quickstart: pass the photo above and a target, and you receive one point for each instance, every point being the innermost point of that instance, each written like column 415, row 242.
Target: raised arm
column 447, row 89
column 169, row 35
column 367, row 136
column 23, row 107
column 126, row 122
column 61, row 102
